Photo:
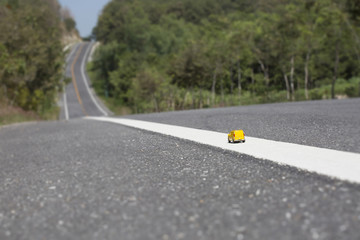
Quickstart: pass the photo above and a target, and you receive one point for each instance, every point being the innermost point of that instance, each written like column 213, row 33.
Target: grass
column 114, row 106
column 343, row 89
column 186, row 100
column 12, row 114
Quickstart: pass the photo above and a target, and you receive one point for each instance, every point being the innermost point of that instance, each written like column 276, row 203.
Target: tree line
column 164, row 55
column 31, row 52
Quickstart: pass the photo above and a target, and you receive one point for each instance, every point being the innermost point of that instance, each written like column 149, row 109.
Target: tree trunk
column 265, row 71
column 292, row 79
column 231, row 79
column 252, row 81
column 286, row 83
column 306, row 69
column 184, row 100
column 201, row 99
column 221, row 85
column 222, row 91
column 239, row 80
column 213, row 87
column 169, row 102
column 336, row 66
column 192, row 97
column 155, row 104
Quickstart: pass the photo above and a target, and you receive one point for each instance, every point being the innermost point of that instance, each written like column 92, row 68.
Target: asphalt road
column 333, row 124
column 78, row 100
column 83, row 179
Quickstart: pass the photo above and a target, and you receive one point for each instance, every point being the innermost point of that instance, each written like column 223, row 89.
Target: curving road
column 78, row 99
column 84, row 179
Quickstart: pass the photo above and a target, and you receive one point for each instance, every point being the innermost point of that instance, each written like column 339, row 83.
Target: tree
column 33, row 69
column 333, row 25
column 213, row 48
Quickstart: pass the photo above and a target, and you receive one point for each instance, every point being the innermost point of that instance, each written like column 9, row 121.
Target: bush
column 315, row 94
column 350, row 91
column 70, row 24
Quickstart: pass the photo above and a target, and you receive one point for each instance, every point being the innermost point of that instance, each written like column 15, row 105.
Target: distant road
column 78, row 99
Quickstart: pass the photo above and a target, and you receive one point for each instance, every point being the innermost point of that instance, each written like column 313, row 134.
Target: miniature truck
column 236, row 136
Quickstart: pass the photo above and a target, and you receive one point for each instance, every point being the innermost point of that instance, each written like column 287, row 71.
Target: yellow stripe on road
column 74, row 80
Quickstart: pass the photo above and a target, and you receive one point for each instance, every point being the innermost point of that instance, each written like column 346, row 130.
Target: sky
column 85, row 12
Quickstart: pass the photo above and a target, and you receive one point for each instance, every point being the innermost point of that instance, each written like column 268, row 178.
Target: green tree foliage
column 70, row 24
column 166, row 54
column 31, row 57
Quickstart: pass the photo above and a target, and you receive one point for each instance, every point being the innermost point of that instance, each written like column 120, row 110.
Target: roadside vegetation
column 164, row 55
column 31, row 58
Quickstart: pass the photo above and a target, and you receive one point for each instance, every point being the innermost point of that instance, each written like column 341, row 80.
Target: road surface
column 78, row 99
column 85, row 179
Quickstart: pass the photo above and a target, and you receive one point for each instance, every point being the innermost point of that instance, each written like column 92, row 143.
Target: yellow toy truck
column 236, row 136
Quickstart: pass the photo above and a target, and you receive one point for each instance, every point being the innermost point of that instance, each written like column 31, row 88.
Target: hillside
column 166, row 55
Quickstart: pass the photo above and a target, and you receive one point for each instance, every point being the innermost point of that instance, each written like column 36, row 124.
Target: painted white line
column 73, row 50
column 86, row 82
column 66, row 110
column 333, row 163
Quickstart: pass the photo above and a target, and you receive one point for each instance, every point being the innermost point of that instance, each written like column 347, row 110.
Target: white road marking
column 66, row 109
column 333, row 163
column 73, row 50
column 86, row 82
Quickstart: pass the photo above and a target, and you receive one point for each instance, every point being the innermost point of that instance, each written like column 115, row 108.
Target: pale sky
column 86, row 13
